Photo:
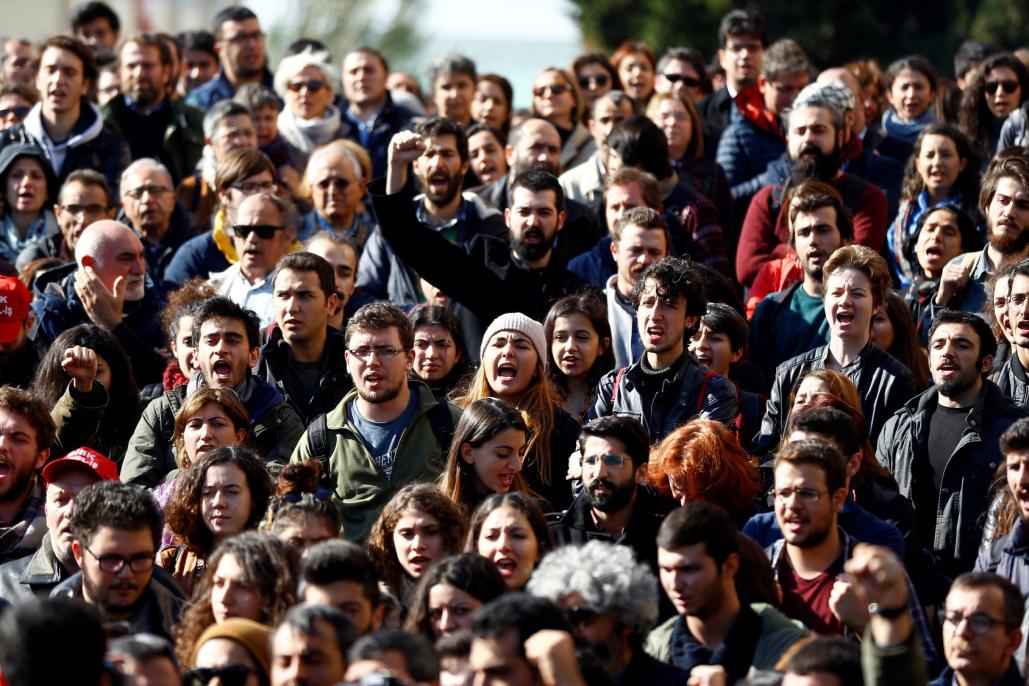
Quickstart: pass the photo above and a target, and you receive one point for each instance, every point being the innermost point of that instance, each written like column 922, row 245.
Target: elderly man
column 262, row 233
column 337, row 186
column 611, row 602
column 148, row 205
column 106, row 285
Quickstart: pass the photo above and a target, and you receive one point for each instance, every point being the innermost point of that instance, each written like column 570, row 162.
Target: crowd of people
column 692, row 372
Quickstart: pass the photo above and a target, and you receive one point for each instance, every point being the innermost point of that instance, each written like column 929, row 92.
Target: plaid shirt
column 25, row 534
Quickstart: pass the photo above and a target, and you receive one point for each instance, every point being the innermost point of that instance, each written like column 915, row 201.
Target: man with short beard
column 612, row 506
column 239, row 42
column 1004, row 200
column 698, row 555
column 442, row 208
column 117, row 530
column 814, row 134
column 1010, row 377
column 388, row 432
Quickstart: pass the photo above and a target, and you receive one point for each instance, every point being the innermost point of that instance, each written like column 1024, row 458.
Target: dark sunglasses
column 339, row 183
column 1008, row 85
column 600, row 80
column 688, row 80
column 556, row 89
column 313, row 85
column 19, row 112
column 233, row 675
column 264, row 231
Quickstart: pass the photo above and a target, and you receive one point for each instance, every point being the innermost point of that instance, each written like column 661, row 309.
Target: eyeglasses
column 337, row 183
column 84, row 210
column 578, row 615
column 138, row 193
column 231, row 675
column 979, row 623
column 610, row 461
column 384, row 354
column 556, row 89
column 687, row 80
column 263, row 231
column 1007, row 85
column 809, row 495
column 252, row 187
column 112, row 564
column 313, row 85
column 19, row 112
column 600, row 80
column 241, row 38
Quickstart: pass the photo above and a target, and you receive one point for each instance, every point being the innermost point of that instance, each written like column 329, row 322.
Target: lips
column 533, row 236
column 655, row 333
column 222, row 370
column 506, row 566
column 505, row 481
column 507, row 371
column 419, row 563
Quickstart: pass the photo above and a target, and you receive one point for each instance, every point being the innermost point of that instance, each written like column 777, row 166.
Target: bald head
column 115, row 254
column 535, row 144
column 851, row 82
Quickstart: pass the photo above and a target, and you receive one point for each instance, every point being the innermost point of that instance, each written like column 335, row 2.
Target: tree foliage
column 832, row 32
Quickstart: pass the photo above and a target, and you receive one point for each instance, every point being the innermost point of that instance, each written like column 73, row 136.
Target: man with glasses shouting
column 117, row 529
column 386, row 433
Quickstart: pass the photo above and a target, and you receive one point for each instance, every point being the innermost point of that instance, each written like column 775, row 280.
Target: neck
column 614, row 522
column 966, row 398
column 812, row 561
column 937, row 195
column 153, row 234
column 238, row 80
column 59, row 124
column 23, row 220
column 252, row 276
column 998, row 260
column 340, row 222
column 846, row 350
column 385, row 411
column 659, row 361
column 441, row 214
column 10, row 509
column 309, row 349
column 677, row 152
column 812, row 286
column 624, row 287
column 368, row 109
column 712, row 631
column 566, row 122
column 148, row 107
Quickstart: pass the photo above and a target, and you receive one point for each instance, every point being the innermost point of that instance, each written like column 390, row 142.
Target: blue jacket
column 1009, row 557
column 392, row 119
column 219, row 88
column 199, row 256
column 596, row 265
column 745, row 151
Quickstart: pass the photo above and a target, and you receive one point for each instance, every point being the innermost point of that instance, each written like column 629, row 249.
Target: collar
column 426, row 220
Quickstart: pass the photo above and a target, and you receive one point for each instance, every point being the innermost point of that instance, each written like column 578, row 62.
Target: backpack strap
column 442, row 424
column 703, row 389
column 996, row 553
column 614, row 390
column 318, row 444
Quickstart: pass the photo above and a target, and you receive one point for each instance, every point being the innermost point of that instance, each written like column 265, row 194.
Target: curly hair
column 865, row 260
column 468, row 572
column 298, row 495
column 975, row 117
column 181, row 301
column 424, row 498
column 966, row 186
column 673, row 277
column 608, row 577
column 706, row 462
column 269, row 566
column 195, row 402
column 184, row 511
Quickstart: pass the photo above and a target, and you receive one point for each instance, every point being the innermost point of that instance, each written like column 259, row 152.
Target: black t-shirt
column 945, row 429
column 310, row 376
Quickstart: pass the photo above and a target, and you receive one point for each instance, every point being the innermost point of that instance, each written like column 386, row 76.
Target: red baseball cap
column 14, row 308
column 82, row 458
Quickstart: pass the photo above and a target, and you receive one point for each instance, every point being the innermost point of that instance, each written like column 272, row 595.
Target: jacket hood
column 751, row 105
column 88, row 126
column 12, row 152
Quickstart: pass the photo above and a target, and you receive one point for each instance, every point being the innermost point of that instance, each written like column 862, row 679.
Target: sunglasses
column 263, row 231
column 314, row 85
column 578, row 615
column 1007, row 85
column 233, row 675
column 556, row 89
column 688, row 80
column 19, row 112
column 600, row 80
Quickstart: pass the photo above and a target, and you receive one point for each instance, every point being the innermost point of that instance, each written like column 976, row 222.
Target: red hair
column 707, row 463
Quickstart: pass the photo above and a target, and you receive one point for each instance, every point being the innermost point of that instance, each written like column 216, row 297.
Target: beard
column 1007, row 245
column 453, row 188
column 382, row 396
column 820, row 166
column 619, row 498
column 814, row 536
column 958, row 385
column 105, row 606
column 530, row 252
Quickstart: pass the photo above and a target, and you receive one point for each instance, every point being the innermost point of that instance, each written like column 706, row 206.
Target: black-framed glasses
column 313, row 85
column 809, row 495
column 253, row 187
column 580, row 614
column 87, row 210
column 19, row 112
column 600, row 80
column 241, row 38
column 263, row 231
column 687, row 80
column 112, row 564
column 230, row 675
column 556, row 89
column 611, row 461
column 366, row 354
column 154, row 190
column 335, row 182
column 1009, row 86
column 979, row 623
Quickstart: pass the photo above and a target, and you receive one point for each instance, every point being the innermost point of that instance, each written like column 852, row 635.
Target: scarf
column 307, row 134
column 906, row 131
column 173, row 376
column 11, row 242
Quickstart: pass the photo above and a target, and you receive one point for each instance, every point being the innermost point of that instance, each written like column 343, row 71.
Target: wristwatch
column 886, row 612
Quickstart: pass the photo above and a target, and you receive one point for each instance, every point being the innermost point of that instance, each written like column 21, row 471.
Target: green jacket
column 361, row 489
column 183, row 137
column 778, row 633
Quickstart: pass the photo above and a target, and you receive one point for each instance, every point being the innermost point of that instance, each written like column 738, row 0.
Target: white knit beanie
column 516, row 321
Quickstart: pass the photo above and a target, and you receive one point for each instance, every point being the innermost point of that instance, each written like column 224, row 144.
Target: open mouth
column 506, row 566
column 222, row 370
column 533, row 237
column 655, row 332
column 419, row 562
column 505, row 481
column 845, row 317
column 507, row 371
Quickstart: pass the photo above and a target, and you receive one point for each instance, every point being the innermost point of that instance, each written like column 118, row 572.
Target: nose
column 447, row 621
column 417, row 542
column 503, row 542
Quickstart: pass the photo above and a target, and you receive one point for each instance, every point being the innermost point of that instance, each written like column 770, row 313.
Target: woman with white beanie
column 308, row 83
column 514, row 353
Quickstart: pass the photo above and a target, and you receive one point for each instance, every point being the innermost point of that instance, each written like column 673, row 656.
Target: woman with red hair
column 702, row 460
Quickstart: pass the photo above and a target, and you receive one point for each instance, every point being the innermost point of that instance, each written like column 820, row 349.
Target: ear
column 509, row 155
column 561, row 220
column 691, row 321
column 241, row 435
column 838, row 498
column 736, row 355
column 465, row 166
column 76, row 551
column 962, row 165
column 605, row 343
column 987, row 364
column 731, row 565
column 466, row 453
column 854, row 464
column 255, row 353
column 332, row 302
column 614, row 250
column 41, row 458
column 377, row 616
column 507, row 217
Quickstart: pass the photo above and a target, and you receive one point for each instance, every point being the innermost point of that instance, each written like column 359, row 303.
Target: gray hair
column 616, row 98
column 817, row 100
column 219, row 111
column 284, row 205
column 785, row 55
column 292, row 65
column 146, row 164
column 607, row 576
column 336, row 148
column 451, row 64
